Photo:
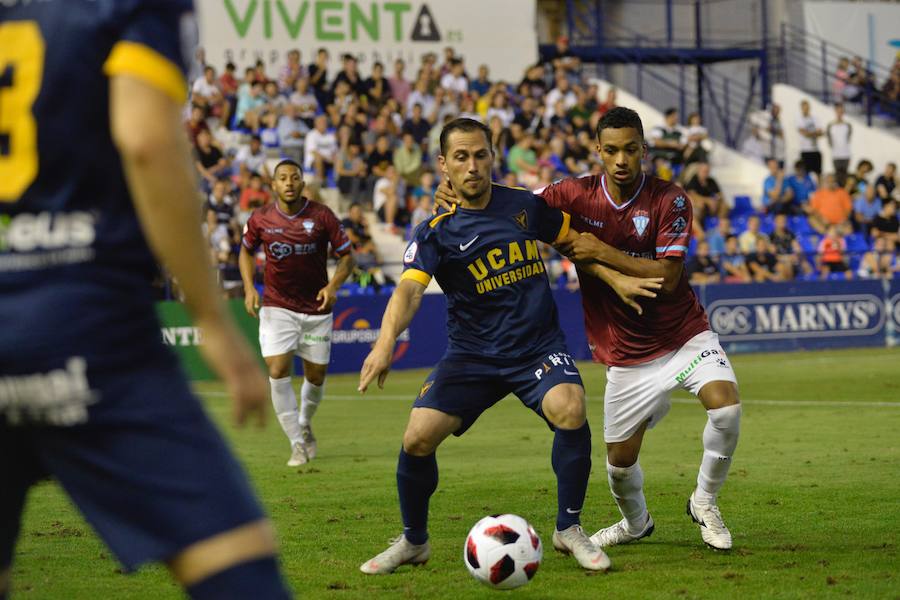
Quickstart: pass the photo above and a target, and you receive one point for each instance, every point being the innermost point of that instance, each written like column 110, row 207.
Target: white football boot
column 712, row 527
column 298, row 455
column 400, row 552
column 617, row 534
column 309, row 441
column 575, row 541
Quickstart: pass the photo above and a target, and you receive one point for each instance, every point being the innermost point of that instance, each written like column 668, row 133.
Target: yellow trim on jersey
column 148, row 65
column 564, row 229
column 417, row 276
column 433, row 223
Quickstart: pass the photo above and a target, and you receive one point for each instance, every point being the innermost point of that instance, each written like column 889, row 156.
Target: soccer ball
column 503, row 551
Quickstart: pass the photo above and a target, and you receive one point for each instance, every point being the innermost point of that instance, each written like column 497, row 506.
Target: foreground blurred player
column 644, row 224
column 88, row 393
column 296, row 314
column 504, row 338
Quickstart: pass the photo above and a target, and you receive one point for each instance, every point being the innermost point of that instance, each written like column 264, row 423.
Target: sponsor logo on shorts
column 59, row 397
column 557, row 359
column 316, row 339
column 697, row 360
column 425, row 387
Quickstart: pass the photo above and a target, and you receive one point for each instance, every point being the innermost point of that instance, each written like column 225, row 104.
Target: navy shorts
column 147, row 468
column 467, row 387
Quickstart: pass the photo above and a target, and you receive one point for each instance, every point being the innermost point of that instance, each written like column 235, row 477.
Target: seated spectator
column 482, row 83
column 865, row 208
column 702, row 268
column 763, row 264
column 454, row 80
column 196, row 123
column 291, row 132
column 268, row 135
column 389, row 200
column 418, row 126
column 351, row 173
column 381, row 157
column 787, row 250
column 832, row 254
column 716, row 237
column 755, row 147
column 500, row 108
column 576, row 156
column 221, row 225
column 830, row 205
column 886, row 225
column 734, row 265
column 305, row 102
column 206, row 92
column 747, row 241
column 376, row 89
column 706, row 196
column 408, row 160
column 400, row 87
column 252, row 157
column 292, row 71
column 423, row 211
column 356, row 227
column 697, row 144
column 778, row 196
column 320, row 149
column 209, row 161
column 880, row 262
column 608, row 104
column 857, row 183
column 250, row 101
column 886, row 183
column 229, row 84
column 802, row 185
column 667, row 140
column 253, row 195
column 522, row 161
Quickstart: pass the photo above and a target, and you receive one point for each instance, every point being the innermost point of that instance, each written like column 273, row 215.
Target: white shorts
column 282, row 331
column 641, row 392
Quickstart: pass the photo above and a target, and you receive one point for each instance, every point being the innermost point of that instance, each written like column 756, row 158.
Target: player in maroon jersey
column 640, row 225
column 295, row 317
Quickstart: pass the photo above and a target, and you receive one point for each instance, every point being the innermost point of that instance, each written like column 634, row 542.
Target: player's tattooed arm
column 401, row 308
column 328, row 294
column 588, row 249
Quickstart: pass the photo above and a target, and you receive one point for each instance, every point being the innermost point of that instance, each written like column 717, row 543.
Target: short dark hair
column 467, row 125
column 670, row 111
column 865, row 162
column 287, row 162
column 620, row 117
column 255, row 138
column 799, row 164
column 354, row 205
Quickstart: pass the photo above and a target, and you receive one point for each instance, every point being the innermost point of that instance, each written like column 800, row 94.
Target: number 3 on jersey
column 21, row 71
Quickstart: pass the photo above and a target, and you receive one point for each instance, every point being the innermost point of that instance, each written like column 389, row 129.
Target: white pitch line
column 821, row 403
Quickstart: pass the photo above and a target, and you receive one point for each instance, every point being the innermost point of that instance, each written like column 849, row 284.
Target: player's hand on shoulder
column 445, row 197
column 630, row 289
column 251, row 302
column 377, row 364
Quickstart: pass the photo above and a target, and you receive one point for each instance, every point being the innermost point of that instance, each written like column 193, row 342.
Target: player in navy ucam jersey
column 94, row 174
column 504, row 338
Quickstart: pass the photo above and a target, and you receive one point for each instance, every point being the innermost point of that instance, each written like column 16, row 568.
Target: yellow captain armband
column 148, row 65
column 417, row 276
column 564, row 228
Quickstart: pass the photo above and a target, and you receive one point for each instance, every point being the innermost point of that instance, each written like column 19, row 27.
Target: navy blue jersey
column 499, row 303
column 75, row 269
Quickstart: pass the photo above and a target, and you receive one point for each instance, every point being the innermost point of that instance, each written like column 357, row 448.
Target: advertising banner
column 243, row 31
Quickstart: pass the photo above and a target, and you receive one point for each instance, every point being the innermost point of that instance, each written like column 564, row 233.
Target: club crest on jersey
column 308, row 225
column 521, row 219
column 280, row 250
column 640, row 224
column 679, row 224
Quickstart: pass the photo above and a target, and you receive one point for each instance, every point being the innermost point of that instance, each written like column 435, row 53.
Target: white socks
column 285, row 402
column 310, row 396
column 720, row 438
column 627, row 487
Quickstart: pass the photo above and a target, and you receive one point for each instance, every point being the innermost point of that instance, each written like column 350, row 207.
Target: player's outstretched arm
column 328, row 294
column 588, row 249
column 399, row 313
column 146, row 128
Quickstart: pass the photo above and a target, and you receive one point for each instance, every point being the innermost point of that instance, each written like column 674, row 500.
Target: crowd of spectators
column 372, row 142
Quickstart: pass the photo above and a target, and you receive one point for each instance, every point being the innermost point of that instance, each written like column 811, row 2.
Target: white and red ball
column 503, row 551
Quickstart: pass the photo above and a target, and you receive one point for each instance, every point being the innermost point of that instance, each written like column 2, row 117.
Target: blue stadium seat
column 739, row 225
column 710, row 223
column 856, row 242
column 767, row 224
column 743, row 206
column 808, row 243
column 800, row 225
column 836, row 277
column 692, row 247
column 855, row 259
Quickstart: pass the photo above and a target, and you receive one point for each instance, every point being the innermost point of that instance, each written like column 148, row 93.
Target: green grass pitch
column 813, row 499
